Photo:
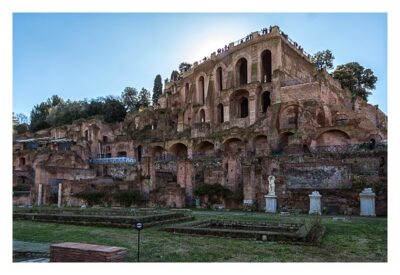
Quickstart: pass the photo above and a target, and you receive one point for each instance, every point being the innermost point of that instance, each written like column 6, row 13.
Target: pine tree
column 157, row 89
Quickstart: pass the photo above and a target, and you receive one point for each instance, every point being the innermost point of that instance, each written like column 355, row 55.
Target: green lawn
column 357, row 239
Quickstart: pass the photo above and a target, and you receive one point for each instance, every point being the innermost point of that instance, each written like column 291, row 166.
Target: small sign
column 139, row 226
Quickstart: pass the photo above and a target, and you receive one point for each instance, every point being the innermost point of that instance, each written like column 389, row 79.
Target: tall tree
column 38, row 117
column 157, row 88
column 323, row 60
column 144, row 98
column 174, row 75
column 356, row 78
column 130, row 99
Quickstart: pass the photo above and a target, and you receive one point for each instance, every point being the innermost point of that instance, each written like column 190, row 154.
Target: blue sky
column 87, row 55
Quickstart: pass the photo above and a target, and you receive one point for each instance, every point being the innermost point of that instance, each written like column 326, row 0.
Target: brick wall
column 81, row 252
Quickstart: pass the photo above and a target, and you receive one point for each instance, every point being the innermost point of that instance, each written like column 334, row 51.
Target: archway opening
column 242, row 71
column 219, row 79
column 265, row 101
column 201, row 90
column 202, row 117
column 244, row 107
column 266, row 66
column 220, row 113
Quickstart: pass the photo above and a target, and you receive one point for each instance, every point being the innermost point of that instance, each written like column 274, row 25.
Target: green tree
column 38, row 117
column 114, row 110
column 184, row 66
column 157, row 88
column 144, row 98
column 130, row 99
column 174, row 75
column 356, row 78
column 323, row 60
column 20, row 123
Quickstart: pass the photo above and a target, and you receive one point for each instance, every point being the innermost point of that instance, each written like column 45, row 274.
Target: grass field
column 356, row 239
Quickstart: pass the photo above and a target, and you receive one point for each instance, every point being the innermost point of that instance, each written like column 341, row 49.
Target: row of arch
column 239, row 106
column 259, row 144
column 242, row 72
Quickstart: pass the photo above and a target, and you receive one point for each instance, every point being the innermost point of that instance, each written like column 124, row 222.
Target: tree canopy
column 130, row 99
column 323, row 60
column 184, row 66
column 356, row 78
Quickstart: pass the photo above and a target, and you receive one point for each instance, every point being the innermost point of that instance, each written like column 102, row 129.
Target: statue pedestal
column 270, row 203
column 367, row 202
column 315, row 203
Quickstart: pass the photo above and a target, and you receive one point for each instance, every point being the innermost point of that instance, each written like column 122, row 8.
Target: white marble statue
column 271, row 185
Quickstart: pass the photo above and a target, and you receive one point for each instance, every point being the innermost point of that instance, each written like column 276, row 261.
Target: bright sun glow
column 214, row 39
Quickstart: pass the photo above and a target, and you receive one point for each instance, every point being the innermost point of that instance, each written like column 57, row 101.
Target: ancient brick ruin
column 256, row 108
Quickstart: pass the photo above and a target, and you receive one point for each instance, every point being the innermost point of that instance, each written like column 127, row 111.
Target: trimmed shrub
column 91, row 197
column 22, row 187
column 212, row 190
column 126, row 198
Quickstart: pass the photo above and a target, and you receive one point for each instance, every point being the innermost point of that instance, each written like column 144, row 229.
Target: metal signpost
column 138, row 227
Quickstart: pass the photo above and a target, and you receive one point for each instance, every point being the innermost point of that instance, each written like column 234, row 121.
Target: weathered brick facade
column 256, row 108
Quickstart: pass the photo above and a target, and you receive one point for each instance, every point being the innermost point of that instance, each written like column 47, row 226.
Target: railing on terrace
column 117, row 160
column 249, row 37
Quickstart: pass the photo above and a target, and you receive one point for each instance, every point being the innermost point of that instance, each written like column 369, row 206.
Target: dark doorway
column 242, row 71
column 220, row 113
column 265, row 101
column 139, row 153
column 266, row 75
column 244, row 107
column 201, row 89
column 219, row 79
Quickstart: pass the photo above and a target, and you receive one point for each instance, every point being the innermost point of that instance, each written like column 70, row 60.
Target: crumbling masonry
column 257, row 108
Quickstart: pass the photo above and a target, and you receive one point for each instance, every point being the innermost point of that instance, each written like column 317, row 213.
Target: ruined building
column 256, row 108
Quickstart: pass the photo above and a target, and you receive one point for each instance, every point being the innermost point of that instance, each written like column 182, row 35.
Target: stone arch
column 139, row 153
column 205, row 147
column 220, row 113
column 242, row 71
column 266, row 66
column 265, row 100
column 333, row 137
column 220, row 77
column 202, row 116
column 289, row 117
column 178, row 150
column 239, row 104
column 260, row 144
column 201, row 88
column 233, row 145
column 284, row 140
column 156, row 151
column 186, row 91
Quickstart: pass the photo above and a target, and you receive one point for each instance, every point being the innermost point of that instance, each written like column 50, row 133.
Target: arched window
column 220, row 113
column 266, row 70
column 202, row 116
column 219, row 79
column 241, row 73
column 201, row 90
column 244, row 107
column 186, row 92
column 265, row 101
column 139, row 153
